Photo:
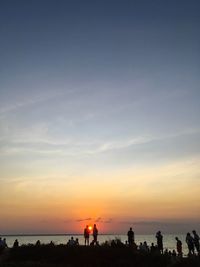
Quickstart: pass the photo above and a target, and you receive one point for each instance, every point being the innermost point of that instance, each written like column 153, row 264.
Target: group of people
column 73, row 242
column 159, row 237
column 193, row 242
column 3, row 244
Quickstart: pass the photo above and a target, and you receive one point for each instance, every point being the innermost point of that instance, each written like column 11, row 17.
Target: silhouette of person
column 51, row 243
column 152, row 248
column 196, row 240
column 179, row 247
column 140, row 246
column 16, row 244
column 95, row 233
column 86, row 235
column 145, row 247
column 71, row 242
column 190, row 242
column 159, row 238
column 38, row 243
column 130, row 235
column 1, row 244
column 77, row 242
column 4, row 243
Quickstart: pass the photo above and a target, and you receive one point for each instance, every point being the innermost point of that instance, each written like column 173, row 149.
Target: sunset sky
column 99, row 115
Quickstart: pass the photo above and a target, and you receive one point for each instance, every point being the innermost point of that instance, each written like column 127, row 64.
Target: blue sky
column 92, row 91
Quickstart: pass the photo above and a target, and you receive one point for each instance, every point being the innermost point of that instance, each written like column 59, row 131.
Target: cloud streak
column 84, row 220
column 73, row 147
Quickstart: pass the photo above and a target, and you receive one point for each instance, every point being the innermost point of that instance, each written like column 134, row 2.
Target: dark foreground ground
column 63, row 256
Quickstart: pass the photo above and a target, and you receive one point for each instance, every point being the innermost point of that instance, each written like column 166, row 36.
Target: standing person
column 179, row 247
column 159, row 238
column 77, row 242
column 4, row 243
column 16, row 244
column 95, row 233
column 1, row 244
column 196, row 240
column 86, row 235
column 190, row 242
column 130, row 235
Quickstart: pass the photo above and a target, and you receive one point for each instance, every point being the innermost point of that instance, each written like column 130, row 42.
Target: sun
column 90, row 228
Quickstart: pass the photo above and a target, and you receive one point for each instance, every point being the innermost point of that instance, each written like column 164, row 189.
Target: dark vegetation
column 96, row 256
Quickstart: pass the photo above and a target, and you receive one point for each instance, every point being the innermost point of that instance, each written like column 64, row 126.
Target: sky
column 99, row 116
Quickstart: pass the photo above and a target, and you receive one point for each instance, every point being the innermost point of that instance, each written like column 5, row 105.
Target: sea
column 169, row 241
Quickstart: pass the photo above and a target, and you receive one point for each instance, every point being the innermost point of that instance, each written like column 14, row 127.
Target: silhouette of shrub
column 111, row 254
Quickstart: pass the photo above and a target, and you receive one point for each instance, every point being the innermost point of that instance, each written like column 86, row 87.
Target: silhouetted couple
column 193, row 242
column 87, row 235
column 3, row 244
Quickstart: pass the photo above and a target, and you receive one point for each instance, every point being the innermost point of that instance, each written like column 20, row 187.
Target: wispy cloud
column 32, row 100
column 140, row 140
column 39, row 142
column 146, row 223
column 83, row 220
column 160, row 224
column 103, row 220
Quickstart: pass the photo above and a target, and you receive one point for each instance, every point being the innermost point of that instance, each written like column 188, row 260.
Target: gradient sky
column 99, row 115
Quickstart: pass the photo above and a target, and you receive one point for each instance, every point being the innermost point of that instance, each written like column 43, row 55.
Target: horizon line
column 79, row 234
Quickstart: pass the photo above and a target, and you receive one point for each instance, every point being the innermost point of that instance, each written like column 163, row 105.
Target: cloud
column 126, row 143
column 32, row 100
column 83, row 220
column 37, row 140
column 108, row 220
column 155, row 223
column 102, row 220
column 98, row 219
column 141, row 222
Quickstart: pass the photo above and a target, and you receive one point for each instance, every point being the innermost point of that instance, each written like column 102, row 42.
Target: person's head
column 94, row 225
column 194, row 232
column 188, row 234
column 176, row 238
column 131, row 228
column 72, row 238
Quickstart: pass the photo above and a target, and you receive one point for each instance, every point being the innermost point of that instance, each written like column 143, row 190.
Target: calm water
column 168, row 240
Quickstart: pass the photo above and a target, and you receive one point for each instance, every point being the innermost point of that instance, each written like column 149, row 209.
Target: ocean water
column 169, row 241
